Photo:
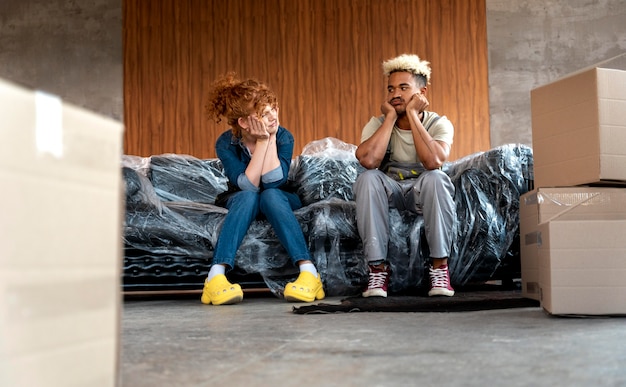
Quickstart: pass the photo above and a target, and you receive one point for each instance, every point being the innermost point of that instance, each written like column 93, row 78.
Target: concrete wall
column 74, row 49
column 534, row 42
column 70, row 48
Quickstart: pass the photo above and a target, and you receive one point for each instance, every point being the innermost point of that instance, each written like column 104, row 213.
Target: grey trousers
column 431, row 194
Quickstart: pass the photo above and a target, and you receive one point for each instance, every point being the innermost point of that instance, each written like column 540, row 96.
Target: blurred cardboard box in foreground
column 60, row 242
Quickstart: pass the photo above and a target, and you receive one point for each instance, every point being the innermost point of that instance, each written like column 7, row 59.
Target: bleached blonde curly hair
column 409, row 63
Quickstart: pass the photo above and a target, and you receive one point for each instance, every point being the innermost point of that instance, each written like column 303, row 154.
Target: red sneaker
column 440, row 282
column 378, row 281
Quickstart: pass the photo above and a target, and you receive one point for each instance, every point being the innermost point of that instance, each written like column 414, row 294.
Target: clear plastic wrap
column 168, row 244
column 179, row 178
column 327, row 168
column 324, row 174
column 488, row 188
column 139, row 190
column 171, row 225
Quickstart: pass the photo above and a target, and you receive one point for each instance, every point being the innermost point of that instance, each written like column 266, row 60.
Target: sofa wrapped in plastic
column 171, row 224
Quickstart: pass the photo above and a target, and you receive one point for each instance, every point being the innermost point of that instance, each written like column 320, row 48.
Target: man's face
column 400, row 88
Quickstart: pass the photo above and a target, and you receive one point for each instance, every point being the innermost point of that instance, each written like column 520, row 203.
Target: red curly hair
column 232, row 99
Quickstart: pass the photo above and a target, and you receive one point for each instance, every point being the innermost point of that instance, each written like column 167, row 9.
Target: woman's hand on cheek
column 257, row 128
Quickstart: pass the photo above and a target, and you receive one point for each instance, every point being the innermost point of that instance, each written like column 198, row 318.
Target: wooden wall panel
column 322, row 57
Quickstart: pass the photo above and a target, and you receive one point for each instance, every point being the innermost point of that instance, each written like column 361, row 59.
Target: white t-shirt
column 401, row 142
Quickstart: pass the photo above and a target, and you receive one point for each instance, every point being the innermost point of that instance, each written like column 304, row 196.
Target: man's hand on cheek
column 387, row 109
column 418, row 102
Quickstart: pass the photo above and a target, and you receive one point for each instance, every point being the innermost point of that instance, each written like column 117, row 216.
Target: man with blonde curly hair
column 403, row 151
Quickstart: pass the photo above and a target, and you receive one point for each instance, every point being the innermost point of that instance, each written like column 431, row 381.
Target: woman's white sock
column 309, row 267
column 216, row 270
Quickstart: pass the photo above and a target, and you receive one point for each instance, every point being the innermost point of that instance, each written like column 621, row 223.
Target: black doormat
column 461, row 302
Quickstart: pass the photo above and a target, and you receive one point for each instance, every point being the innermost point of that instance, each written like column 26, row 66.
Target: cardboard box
column 544, row 204
column 529, row 265
column 574, row 249
column 60, row 242
column 579, row 127
column 587, row 277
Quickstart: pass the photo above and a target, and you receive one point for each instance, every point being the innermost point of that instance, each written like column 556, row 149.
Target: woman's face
column 269, row 116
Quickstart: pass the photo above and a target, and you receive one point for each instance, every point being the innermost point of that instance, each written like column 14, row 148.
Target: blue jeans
column 244, row 207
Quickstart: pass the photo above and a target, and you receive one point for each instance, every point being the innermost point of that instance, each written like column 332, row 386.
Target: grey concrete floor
column 260, row 342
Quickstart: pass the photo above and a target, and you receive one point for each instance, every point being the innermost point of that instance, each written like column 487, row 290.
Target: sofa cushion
column 184, row 178
column 325, row 169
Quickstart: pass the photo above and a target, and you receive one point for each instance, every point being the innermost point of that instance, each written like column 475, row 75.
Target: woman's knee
column 269, row 194
column 272, row 197
column 243, row 199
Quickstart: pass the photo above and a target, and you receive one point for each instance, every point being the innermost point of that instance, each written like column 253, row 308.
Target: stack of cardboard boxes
column 573, row 224
column 60, row 242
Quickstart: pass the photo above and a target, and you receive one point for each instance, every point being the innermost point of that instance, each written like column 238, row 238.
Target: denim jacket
column 235, row 158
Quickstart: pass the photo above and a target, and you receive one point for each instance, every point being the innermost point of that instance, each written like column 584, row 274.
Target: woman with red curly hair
column 256, row 154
